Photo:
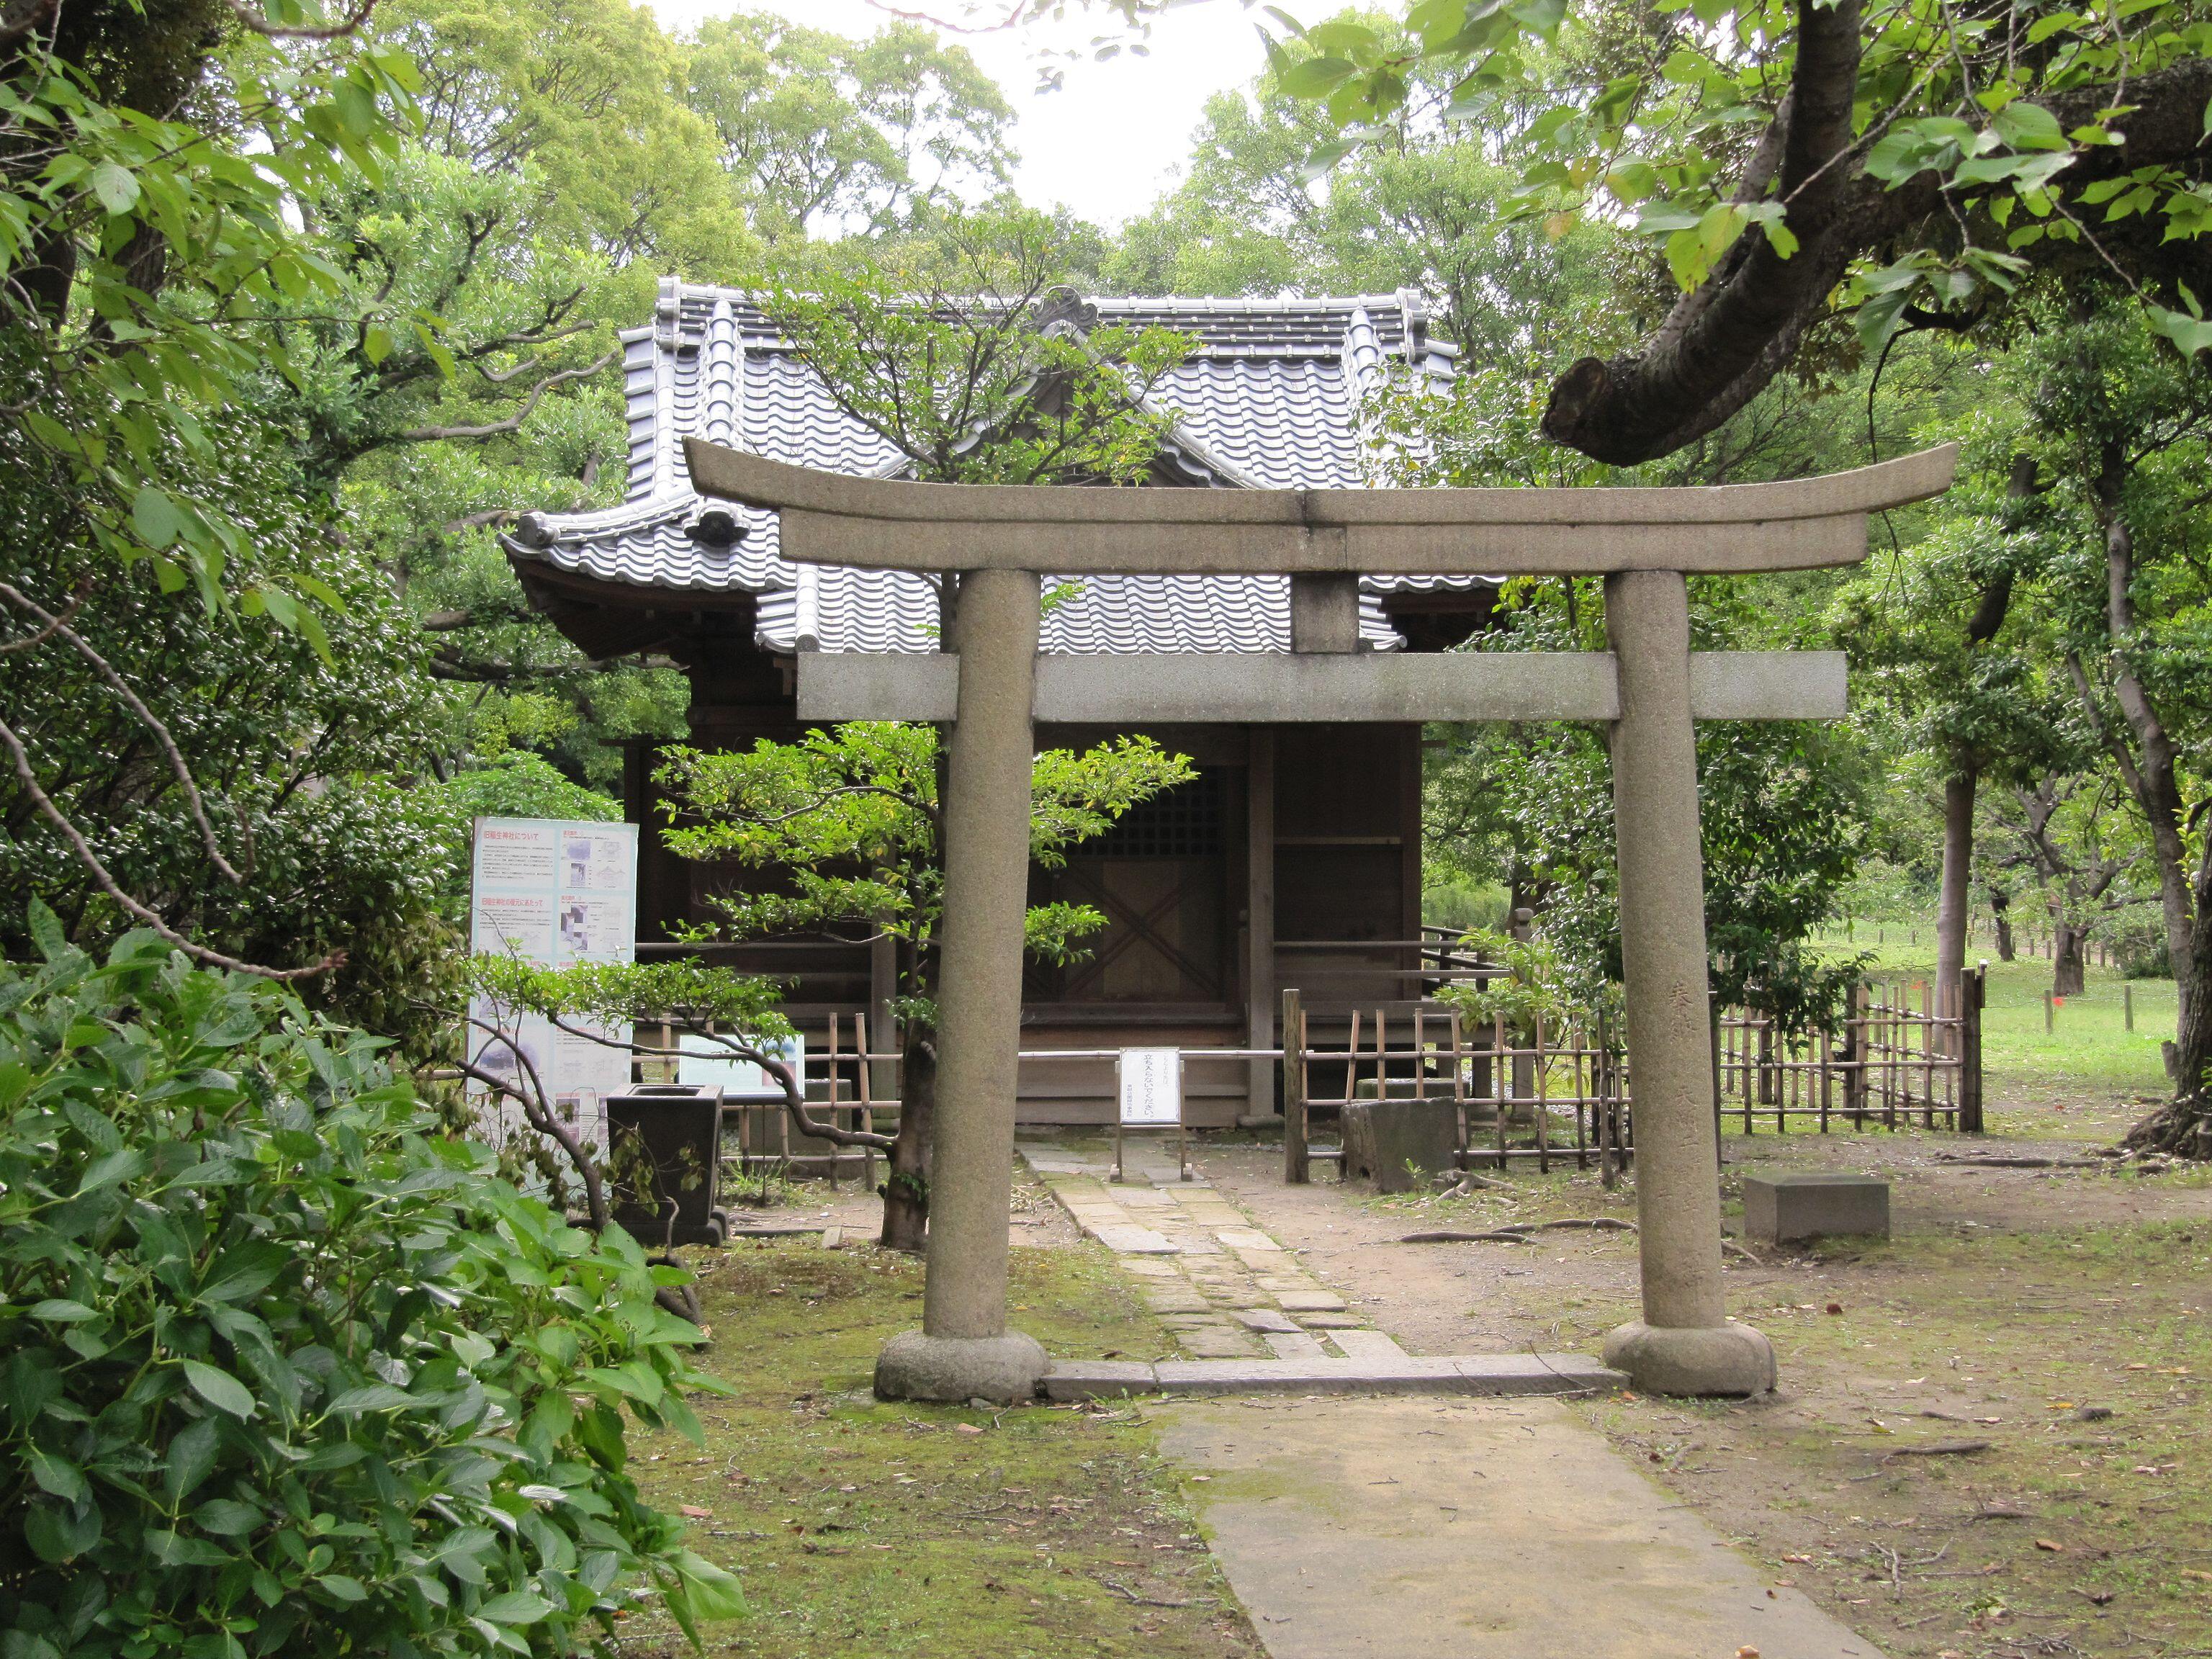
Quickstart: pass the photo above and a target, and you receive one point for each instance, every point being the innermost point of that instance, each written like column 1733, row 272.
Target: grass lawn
column 864, row 1528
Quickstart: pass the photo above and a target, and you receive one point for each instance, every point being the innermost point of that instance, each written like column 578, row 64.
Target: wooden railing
column 1559, row 1095
column 1905, row 1054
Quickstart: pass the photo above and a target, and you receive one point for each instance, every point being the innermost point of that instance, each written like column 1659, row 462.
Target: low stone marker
column 1783, row 1209
column 1381, row 1138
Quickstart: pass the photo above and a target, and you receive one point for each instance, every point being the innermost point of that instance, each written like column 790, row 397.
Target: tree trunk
column 2000, row 920
column 906, row 1188
column 2185, row 1126
column 1952, row 904
column 2069, row 970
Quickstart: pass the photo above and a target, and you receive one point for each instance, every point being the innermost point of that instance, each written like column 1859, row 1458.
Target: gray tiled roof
column 1270, row 399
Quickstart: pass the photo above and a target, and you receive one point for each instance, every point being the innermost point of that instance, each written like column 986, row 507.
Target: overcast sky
column 1105, row 145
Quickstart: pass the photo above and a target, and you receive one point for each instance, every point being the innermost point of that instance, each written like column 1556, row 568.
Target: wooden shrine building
column 1294, row 858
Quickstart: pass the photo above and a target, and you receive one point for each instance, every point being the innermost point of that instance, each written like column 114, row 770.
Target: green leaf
column 117, row 190
column 46, row 930
column 62, row 1311
column 227, row 1517
column 54, row 1474
column 59, row 1532
column 710, row 1594
column 192, row 1458
column 515, row 1607
column 375, row 1397
column 116, row 1167
column 1315, row 77
column 155, row 517
column 342, row 1587
column 219, row 1388
column 2029, row 126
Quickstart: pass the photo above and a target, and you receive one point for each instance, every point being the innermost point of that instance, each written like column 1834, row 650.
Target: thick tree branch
column 1717, row 350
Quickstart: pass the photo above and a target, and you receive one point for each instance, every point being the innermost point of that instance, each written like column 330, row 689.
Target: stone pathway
column 1248, row 1317
column 1408, row 1520
column 1225, row 1289
column 1469, row 1529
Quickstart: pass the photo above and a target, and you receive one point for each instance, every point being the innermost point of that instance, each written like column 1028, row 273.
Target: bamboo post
column 1601, row 1078
column 1498, row 1104
column 1855, row 1055
column 1582, row 1096
column 864, row 1114
column 1543, row 1096
column 1459, row 1063
column 1824, row 1053
column 836, row 1151
column 1296, row 1169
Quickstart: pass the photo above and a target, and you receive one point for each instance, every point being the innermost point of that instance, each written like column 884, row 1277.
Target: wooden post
column 1855, row 1055
column 2128, row 1005
column 2050, row 1015
column 1974, row 991
column 1826, row 1052
column 1259, row 919
column 1297, row 1169
column 1459, row 1063
column 1543, row 1109
column 882, row 1024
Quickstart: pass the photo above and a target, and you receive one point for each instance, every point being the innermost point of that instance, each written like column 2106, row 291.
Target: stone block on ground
column 1264, row 1319
column 1495, row 1375
column 1309, row 1301
column 1367, row 1345
column 1783, row 1209
column 1217, row 1341
column 1397, row 1144
column 1097, row 1379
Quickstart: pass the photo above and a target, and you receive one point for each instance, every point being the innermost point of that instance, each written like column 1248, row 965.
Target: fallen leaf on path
column 2047, row 1544
column 693, row 1512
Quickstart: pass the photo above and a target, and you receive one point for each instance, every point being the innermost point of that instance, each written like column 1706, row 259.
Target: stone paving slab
column 1478, row 1374
column 1356, row 1529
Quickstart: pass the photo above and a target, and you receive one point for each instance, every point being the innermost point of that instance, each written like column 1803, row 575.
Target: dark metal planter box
column 679, row 1127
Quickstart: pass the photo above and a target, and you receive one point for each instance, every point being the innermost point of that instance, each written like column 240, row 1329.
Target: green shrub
column 283, row 1372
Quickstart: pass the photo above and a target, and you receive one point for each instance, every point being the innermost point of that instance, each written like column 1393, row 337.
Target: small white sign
column 1151, row 1087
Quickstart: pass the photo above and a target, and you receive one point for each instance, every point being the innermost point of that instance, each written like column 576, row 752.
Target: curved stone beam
column 830, row 518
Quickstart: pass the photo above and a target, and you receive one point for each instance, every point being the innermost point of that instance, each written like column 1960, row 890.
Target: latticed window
column 1184, row 822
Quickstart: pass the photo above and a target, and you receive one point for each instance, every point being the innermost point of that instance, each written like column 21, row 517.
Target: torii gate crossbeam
column 1649, row 686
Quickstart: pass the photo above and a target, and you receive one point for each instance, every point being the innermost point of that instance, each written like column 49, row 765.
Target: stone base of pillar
column 1006, row 1370
column 1729, row 1360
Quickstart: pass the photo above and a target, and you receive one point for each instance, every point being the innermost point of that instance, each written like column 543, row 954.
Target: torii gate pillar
column 963, row 1350
column 1684, row 1343
column 1649, row 688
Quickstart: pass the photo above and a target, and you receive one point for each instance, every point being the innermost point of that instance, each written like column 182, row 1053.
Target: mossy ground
column 863, row 1528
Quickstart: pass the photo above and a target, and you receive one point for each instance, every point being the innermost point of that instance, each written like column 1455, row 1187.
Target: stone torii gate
column 1650, row 687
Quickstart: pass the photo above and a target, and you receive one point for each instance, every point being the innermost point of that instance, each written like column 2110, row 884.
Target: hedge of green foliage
column 282, row 1371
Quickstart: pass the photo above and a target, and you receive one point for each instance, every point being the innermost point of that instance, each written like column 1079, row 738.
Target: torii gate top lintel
column 832, row 517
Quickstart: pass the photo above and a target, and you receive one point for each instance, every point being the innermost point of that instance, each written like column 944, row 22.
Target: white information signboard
column 1151, row 1087
column 1149, row 1082
column 707, row 1062
column 554, row 892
